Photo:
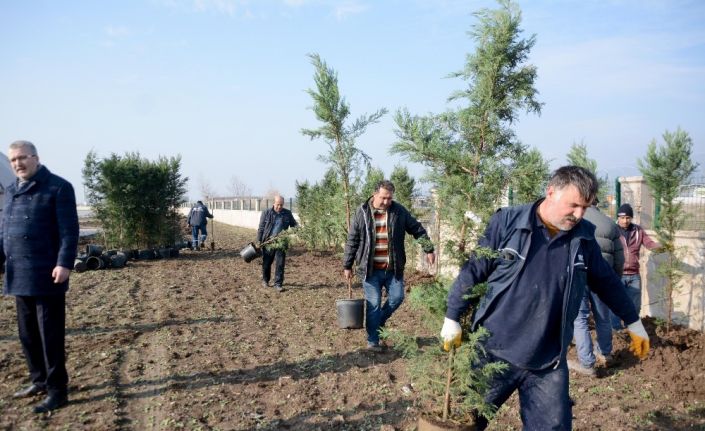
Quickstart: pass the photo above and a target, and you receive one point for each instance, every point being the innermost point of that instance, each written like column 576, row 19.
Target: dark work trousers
column 41, row 323
column 279, row 258
column 544, row 403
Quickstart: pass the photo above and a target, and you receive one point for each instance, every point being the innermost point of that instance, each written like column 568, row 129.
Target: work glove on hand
column 640, row 339
column 451, row 333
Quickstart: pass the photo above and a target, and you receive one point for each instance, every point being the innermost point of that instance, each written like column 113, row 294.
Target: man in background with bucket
column 273, row 222
column 376, row 244
column 198, row 219
column 38, row 240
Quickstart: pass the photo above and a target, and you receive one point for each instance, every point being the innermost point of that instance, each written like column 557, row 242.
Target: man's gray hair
column 385, row 184
column 24, row 144
column 584, row 180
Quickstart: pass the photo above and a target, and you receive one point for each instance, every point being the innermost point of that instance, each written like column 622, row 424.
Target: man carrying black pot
column 38, row 240
column 376, row 244
column 545, row 256
column 272, row 222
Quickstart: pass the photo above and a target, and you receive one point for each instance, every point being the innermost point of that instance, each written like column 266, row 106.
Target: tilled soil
column 196, row 342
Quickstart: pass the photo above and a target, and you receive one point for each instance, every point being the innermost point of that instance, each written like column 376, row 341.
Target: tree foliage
column 404, row 186
column 471, row 151
column 136, row 200
column 373, row 177
column 428, row 365
column 664, row 169
column 578, row 156
column 322, row 212
column 333, row 111
column 530, row 176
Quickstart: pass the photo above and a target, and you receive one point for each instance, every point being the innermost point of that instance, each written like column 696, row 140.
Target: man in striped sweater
column 376, row 244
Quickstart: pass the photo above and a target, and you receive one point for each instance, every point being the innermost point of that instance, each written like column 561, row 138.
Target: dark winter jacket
column 608, row 238
column 266, row 223
column 632, row 246
column 509, row 232
column 198, row 215
column 39, row 231
column 361, row 239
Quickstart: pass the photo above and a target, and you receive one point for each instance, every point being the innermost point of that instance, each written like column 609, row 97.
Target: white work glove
column 451, row 334
column 640, row 339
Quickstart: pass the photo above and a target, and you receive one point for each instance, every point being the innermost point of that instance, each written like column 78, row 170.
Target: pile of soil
column 197, row 343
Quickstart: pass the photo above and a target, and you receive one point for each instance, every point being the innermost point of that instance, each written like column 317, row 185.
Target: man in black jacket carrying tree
column 274, row 221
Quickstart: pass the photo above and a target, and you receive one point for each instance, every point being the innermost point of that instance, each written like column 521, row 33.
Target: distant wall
column 689, row 300
column 241, row 218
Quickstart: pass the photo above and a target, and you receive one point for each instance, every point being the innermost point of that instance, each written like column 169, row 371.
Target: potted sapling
column 450, row 385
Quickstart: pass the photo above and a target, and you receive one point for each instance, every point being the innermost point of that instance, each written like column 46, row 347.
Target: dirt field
column 197, row 343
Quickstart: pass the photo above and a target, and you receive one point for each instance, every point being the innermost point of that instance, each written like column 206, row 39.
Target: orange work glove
column 640, row 339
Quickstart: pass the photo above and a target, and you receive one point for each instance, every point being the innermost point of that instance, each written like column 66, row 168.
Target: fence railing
column 246, row 203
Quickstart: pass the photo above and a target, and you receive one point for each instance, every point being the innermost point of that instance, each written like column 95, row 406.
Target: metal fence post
column 617, row 195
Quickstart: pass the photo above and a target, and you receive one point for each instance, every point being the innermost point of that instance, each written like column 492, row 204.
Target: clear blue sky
column 222, row 82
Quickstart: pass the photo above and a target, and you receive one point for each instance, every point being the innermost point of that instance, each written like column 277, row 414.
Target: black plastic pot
column 94, row 262
column 351, row 313
column 146, row 254
column 118, row 260
column 94, row 250
column 250, row 252
column 432, row 423
column 79, row 265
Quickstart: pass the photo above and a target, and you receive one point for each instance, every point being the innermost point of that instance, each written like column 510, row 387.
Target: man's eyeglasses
column 21, row 158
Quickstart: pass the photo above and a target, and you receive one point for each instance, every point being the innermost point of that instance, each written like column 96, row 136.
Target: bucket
column 250, row 252
column 430, row 423
column 118, row 260
column 146, row 254
column 94, row 262
column 94, row 250
column 351, row 313
column 79, row 265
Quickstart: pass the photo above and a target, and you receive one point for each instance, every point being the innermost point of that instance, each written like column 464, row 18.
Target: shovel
column 213, row 235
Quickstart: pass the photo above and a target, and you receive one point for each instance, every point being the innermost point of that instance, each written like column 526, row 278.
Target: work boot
column 580, row 368
column 30, row 391
column 54, row 401
column 374, row 347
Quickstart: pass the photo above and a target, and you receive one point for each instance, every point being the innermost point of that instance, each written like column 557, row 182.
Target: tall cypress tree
column 333, row 111
column 664, row 169
column 472, row 151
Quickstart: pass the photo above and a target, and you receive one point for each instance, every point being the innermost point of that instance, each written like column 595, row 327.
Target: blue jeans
column 198, row 241
column 543, row 396
column 603, row 328
column 376, row 314
column 632, row 282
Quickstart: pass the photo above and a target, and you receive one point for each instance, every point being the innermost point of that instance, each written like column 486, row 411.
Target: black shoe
column 30, row 391
column 52, row 402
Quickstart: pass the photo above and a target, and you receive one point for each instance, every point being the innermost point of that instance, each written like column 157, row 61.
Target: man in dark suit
column 38, row 241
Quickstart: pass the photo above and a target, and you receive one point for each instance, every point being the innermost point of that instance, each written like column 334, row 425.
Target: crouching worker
column 546, row 255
